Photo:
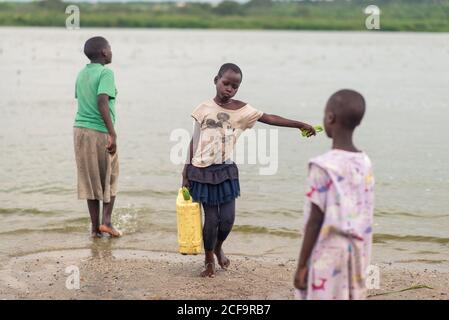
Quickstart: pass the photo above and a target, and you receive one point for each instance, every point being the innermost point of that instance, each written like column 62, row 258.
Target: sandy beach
column 139, row 274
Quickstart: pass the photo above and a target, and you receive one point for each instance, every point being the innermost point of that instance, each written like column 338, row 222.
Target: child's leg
column 94, row 211
column 210, row 230
column 226, row 221
column 107, row 212
column 106, row 226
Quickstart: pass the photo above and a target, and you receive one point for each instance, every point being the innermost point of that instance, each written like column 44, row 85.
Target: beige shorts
column 97, row 169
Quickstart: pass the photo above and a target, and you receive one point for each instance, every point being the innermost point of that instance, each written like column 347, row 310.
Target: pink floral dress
column 341, row 184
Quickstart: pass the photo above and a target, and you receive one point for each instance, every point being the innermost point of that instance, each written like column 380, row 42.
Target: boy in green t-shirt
column 95, row 137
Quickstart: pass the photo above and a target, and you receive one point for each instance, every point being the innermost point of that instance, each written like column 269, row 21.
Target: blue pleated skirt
column 214, row 185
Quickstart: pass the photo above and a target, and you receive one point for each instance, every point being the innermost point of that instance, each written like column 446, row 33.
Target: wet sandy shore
column 138, row 274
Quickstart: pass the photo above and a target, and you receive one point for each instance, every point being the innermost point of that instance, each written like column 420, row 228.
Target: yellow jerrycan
column 188, row 216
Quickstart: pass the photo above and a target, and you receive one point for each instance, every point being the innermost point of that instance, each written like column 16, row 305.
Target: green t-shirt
column 93, row 80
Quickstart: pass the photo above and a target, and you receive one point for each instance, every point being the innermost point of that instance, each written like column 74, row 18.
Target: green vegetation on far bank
column 396, row 15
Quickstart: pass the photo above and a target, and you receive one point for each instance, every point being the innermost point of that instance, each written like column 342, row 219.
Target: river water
column 162, row 75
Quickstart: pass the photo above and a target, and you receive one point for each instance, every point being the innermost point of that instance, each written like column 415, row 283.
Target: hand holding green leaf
column 305, row 133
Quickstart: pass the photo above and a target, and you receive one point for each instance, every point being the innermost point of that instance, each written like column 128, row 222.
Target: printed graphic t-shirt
column 219, row 131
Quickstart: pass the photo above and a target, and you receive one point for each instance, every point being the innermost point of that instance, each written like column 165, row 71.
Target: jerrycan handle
column 184, row 192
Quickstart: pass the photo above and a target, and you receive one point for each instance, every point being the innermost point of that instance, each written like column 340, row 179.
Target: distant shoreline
column 218, row 29
column 229, row 15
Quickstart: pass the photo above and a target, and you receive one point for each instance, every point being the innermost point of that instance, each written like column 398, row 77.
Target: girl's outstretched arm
column 275, row 120
column 311, row 234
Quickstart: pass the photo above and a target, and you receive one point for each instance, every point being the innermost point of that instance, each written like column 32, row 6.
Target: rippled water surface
column 163, row 74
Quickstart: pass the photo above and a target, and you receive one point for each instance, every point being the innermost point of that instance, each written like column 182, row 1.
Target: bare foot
column 113, row 232
column 223, row 261
column 209, row 270
column 95, row 234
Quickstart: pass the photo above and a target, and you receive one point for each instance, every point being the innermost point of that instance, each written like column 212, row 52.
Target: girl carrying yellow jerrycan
column 189, row 223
